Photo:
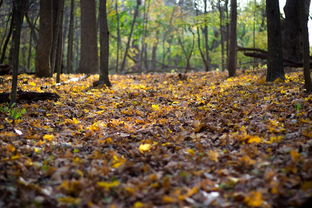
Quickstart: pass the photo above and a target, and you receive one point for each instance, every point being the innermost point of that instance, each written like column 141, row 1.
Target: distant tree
column 43, row 54
column 203, row 53
column 118, row 36
column 232, row 58
column 304, row 11
column 275, row 54
column 104, row 44
column 222, row 33
column 58, row 39
column 18, row 15
column 6, row 41
column 70, row 45
column 88, row 45
column 135, row 15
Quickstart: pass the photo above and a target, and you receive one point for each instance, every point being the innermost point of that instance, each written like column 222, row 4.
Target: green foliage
column 13, row 112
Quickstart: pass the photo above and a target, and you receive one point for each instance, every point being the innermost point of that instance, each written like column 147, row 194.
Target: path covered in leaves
column 158, row 141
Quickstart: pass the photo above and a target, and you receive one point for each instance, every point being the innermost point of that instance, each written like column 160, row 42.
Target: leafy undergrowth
column 158, row 141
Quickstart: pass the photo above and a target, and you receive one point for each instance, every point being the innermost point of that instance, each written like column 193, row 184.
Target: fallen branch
column 29, row 96
column 5, row 69
column 262, row 54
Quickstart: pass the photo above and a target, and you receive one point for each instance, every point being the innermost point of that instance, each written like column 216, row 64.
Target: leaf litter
column 157, row 141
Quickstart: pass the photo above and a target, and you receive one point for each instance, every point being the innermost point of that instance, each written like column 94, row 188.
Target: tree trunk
column 70, row 44
column 143, row 54
column 291, row 26
column 88, row 49
column 118, row 36
column 104, row 44
column 18, row 14
column 32, row 22
column 6, row 42
column 275, row 55
column 59, row 47
column 303, row 11
column 168, row 31
column 154, row 54
column 43, row 54
column 207, row 58
column 221, row 16
column 233, row 40
column 136, row 12
column 29, row 49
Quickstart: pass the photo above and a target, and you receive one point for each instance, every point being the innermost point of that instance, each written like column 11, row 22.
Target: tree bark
column 43, row 54
column 88, row 49
column 59, row 46
column 70, row 45
column 221, row 16
column 291, row 27
column 6, row 42
column 303, row 11
column 104, row 44
column 275, row 54
column 233, row 40
column 118, row 36
column 18, row 14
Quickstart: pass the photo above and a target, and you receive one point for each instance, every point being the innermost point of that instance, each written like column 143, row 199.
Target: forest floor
column 158, row 141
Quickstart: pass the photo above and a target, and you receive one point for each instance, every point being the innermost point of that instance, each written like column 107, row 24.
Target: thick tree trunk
column 88, row 49
column 18, row 14
column 303, row 11
column 70, row 44
column 104, row 44
column 291, row 27
column 43, row 54
column 275, row 55
column 233, row 40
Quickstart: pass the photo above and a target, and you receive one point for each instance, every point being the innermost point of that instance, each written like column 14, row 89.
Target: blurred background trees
column 145, row 35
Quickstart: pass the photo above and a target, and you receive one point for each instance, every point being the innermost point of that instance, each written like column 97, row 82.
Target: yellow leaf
column 69, row 200
column 118, row 161
column 169, row 199
column 295, row 155
column 108, row 184
column 48, row 137
column 213, row 155
column 275, row 139
column 10, row 148
column 32, row 84
column 138, row 205
column 145, row 147
column 155, row 107
column 247, row 160
column 254, row 199
column 70, row 187
column 254, row 139
column 307, row 133
column 190, row 151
